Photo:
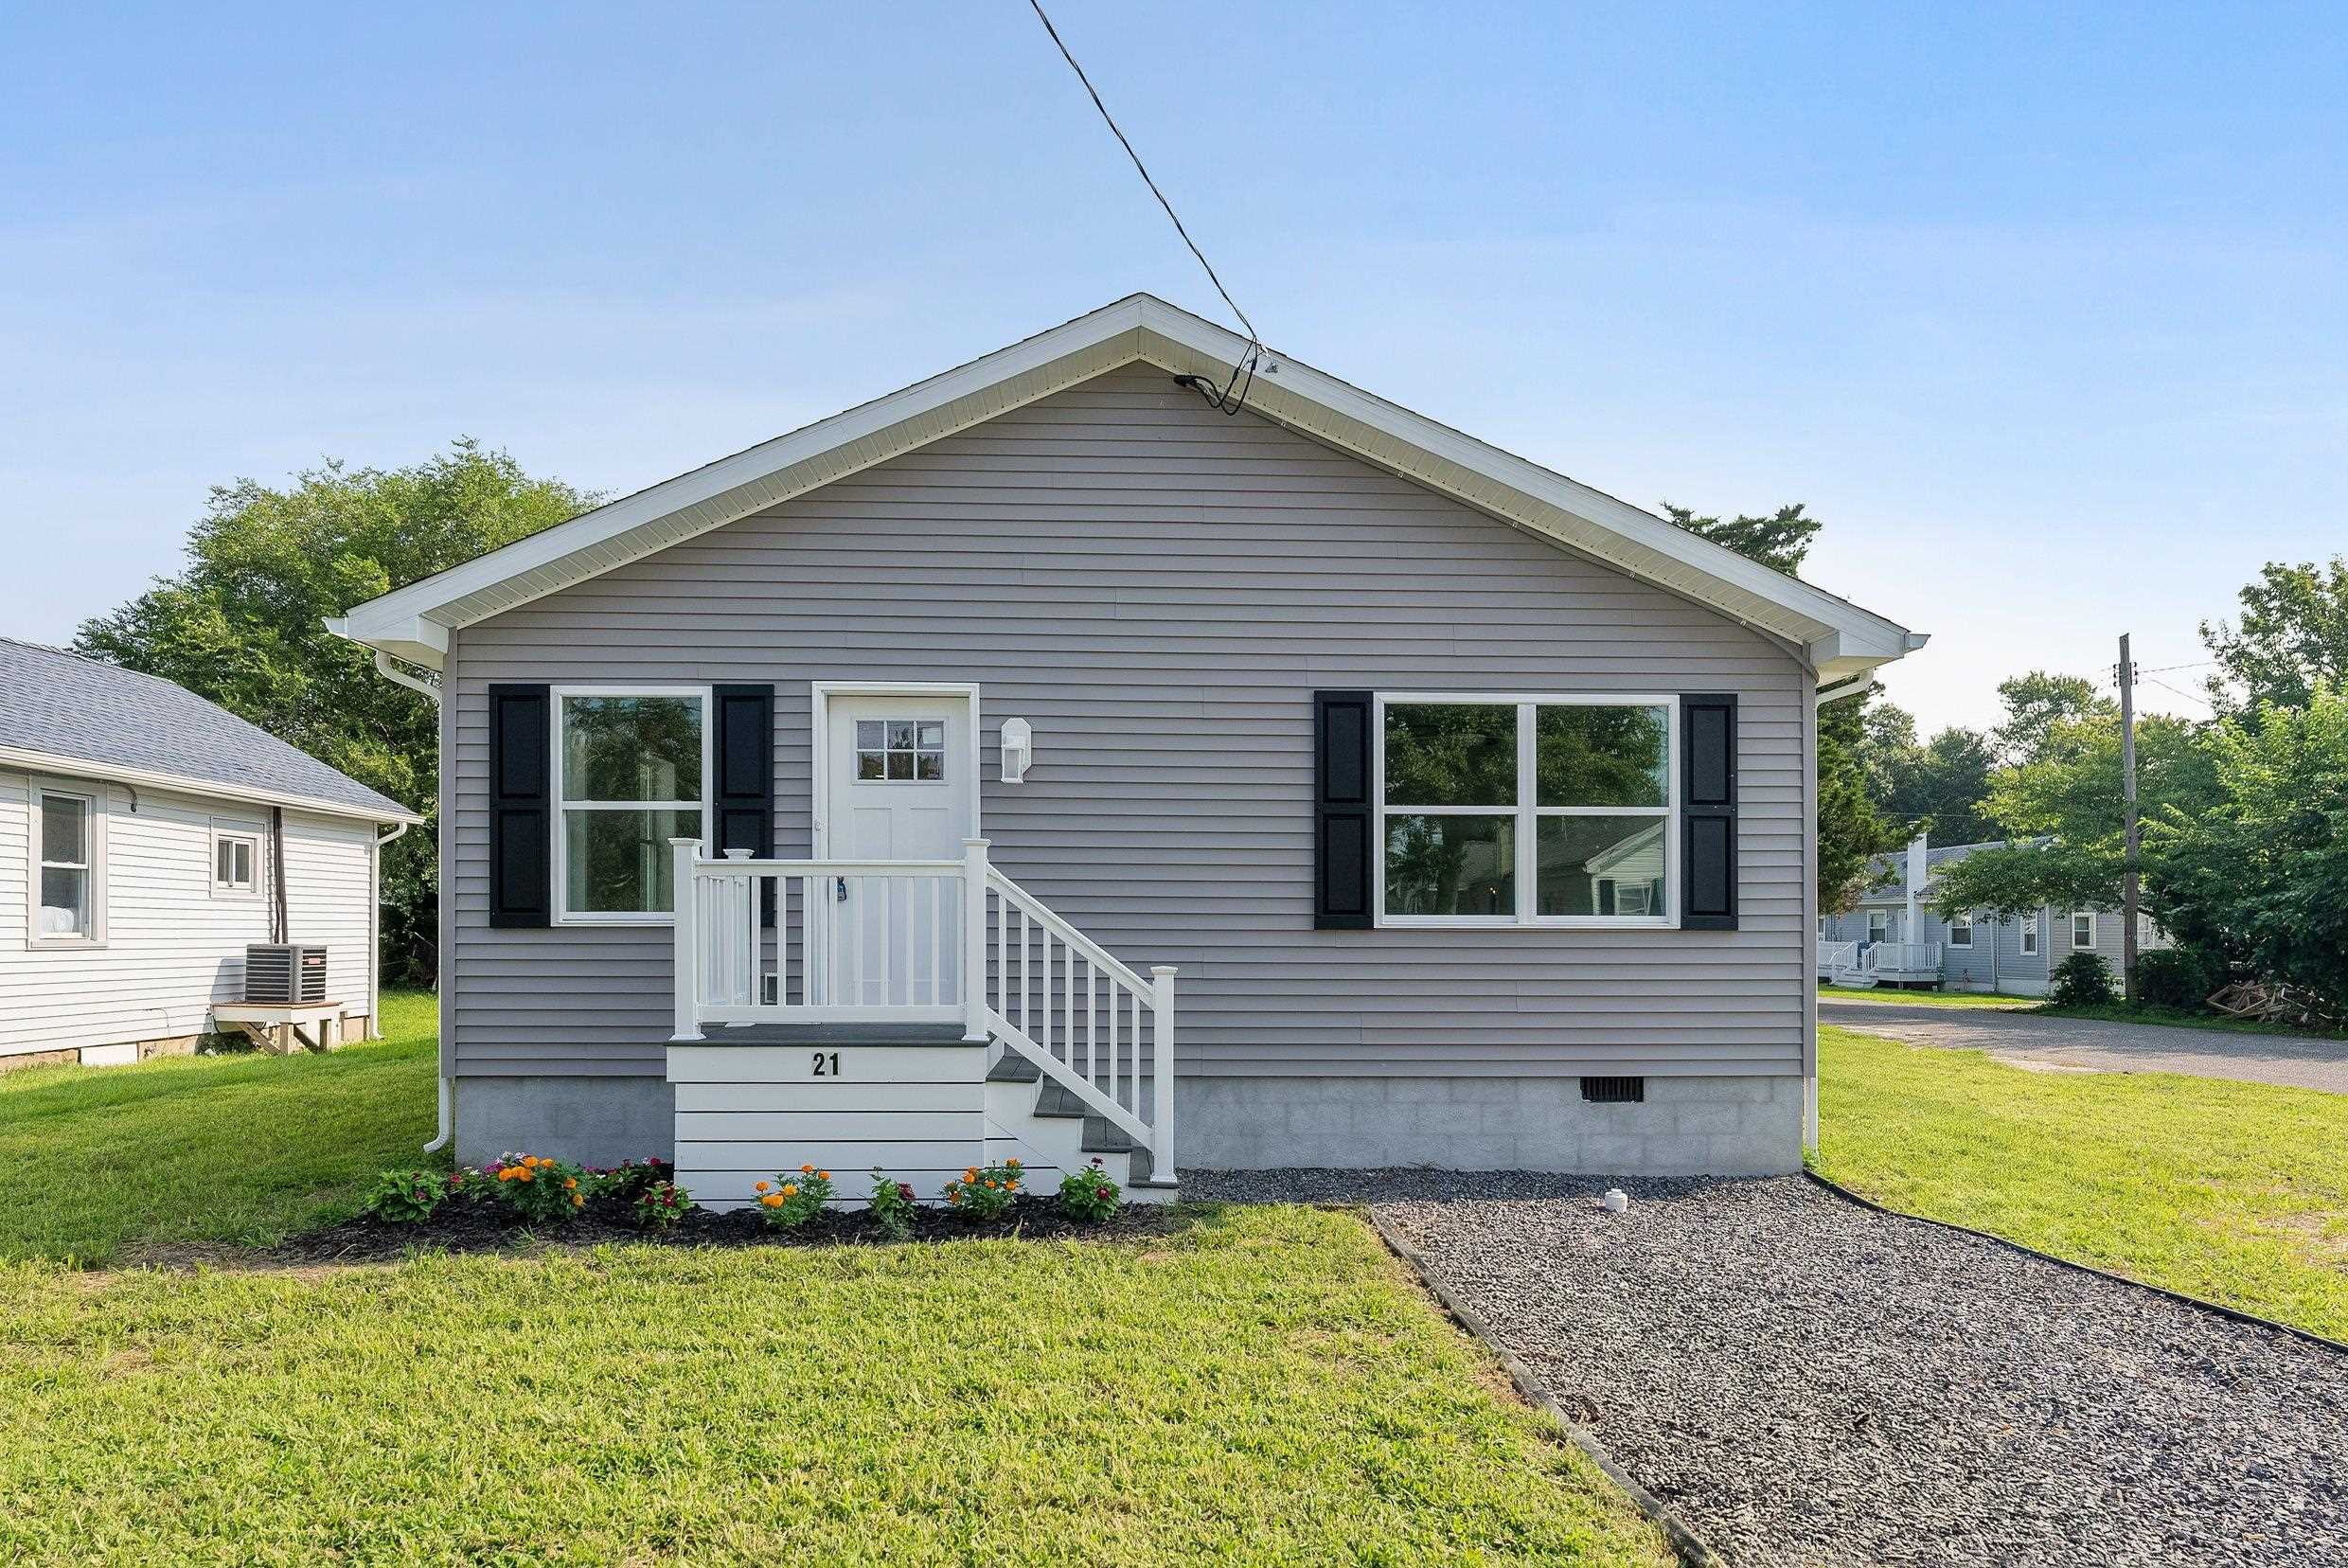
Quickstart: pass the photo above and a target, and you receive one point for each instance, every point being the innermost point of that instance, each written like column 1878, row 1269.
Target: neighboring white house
column 145, row 837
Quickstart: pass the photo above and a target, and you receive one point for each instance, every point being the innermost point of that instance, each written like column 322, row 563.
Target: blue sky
column 2043, row 310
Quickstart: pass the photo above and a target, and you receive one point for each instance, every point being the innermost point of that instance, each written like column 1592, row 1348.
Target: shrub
column 542, row 1191
column 1092, row 1194
column 985, row 1192
column 631, row 1179
column 662, row 1204
column 2177, row 977
column 409, row 1197
column 892, row 1204
column 790, row 1201
column 2083, row 980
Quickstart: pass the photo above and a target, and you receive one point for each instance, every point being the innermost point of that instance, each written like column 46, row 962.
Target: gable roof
column 1840, row 639
column 1888, row 873
column 62, row 712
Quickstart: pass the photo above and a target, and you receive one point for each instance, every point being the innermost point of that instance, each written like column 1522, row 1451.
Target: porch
column 1870, row 964
column 916, row 1016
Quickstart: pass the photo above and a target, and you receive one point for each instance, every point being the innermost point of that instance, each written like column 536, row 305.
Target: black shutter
column 521, row 830
column 1708, row 812
column 1343, row 811
column 744, row 796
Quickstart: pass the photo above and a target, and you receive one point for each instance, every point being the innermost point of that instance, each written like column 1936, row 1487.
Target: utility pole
column 2128, row 803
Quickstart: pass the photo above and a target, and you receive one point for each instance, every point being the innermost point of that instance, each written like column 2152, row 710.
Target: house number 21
column 827, row 1064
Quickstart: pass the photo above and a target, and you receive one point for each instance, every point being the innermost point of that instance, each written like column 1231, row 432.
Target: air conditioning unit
column 284, row 972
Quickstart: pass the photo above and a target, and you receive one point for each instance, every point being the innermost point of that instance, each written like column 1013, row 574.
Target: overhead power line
column 1222, row 400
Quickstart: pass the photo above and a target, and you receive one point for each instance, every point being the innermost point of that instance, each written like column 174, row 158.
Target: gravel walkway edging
column 2309, row 1335
column 1685, row 1543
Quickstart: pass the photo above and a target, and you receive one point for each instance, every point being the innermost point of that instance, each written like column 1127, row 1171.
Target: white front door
column 897, row 787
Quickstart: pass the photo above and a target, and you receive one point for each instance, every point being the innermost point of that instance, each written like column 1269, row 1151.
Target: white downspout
column 384, row 668
column 375, row 930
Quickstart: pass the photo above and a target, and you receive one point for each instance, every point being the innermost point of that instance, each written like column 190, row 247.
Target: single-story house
column 885, row 793
column 147, row 838
column 1891, row 940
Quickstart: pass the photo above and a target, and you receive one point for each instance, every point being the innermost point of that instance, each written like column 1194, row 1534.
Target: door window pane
column 900, row 750
column 1452, row 754
column 632, row 748
column 1600, row 865
column 619, row 862
column 1450, row 865
column 1601, row 755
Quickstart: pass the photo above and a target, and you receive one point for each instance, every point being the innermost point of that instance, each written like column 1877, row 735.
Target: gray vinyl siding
column 1159, row 590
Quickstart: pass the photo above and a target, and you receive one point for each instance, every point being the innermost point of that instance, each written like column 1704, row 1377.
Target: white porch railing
column 1903, row 960
column 1836, row 957
column 833, row 941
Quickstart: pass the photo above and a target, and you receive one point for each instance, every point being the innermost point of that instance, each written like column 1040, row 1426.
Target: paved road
column 2099, row 1047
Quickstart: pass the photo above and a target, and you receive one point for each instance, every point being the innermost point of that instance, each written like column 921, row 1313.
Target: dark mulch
column 470, row 1224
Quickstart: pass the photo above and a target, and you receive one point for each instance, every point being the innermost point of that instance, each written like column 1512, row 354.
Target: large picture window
column 1527, row 810
column 633, row 766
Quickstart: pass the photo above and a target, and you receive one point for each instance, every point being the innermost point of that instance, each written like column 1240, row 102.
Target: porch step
column 837, row 1034
column 1014, row 1068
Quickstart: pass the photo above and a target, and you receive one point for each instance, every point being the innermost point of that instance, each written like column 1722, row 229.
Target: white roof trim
column 1839, row 638
column 59, row 763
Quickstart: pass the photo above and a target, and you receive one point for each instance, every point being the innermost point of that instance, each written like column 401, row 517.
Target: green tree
column 1778, row 541
column 1851, row 831
column 2292, row 634
column 2035, row 704
column 1942, row 786
column 241, row 625
column 2261, row 870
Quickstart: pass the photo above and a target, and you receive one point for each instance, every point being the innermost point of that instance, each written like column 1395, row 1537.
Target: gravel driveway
column 1807, row 1381
column 2291, row 1060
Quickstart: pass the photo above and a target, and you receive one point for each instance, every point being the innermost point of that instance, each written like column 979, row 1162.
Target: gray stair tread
column 1102, row 1136
column 1014, row 1068
column 838, row 1034
column 1057, row 1099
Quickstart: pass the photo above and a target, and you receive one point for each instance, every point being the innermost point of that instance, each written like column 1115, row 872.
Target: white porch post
column 1162, row 1072
column 974, row 939
column 683, row 852
column 1917, row 855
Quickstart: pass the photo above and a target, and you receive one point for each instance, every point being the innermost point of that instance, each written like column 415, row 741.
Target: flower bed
column 486, row 1210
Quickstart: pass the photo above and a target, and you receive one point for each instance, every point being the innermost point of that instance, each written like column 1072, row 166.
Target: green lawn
column 240, row 1150
column 1925, row 998
column 1259, row 1384
column 2233, row 1192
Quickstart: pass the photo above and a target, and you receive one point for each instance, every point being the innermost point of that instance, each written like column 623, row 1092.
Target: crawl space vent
column 1614, row 1090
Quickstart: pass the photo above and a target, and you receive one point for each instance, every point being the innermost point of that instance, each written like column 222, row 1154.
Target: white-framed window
column 235, row 861
column 900, row 750
column 1879, row 926
column 2083, row 930
column 1531, row 811
column 631, row 770
column 65, row 897
column 1961, row 931
column 2028, row 926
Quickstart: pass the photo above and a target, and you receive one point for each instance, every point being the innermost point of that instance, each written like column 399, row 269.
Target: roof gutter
column 90, row 767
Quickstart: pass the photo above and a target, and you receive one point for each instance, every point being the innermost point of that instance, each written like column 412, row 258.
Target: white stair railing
column 771, row 941
column 1833, row 957
column 1066, row 1003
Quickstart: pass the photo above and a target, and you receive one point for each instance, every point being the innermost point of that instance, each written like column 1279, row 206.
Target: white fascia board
column 148, row 778
column 1842, row 639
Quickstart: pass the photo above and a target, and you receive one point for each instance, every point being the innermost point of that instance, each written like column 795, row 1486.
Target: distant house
column 147, row 836
column 1883, row 942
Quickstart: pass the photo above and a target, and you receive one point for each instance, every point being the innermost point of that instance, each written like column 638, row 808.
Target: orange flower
column 570, row 1183
column 823, row 1175
column 762, row 1187
column 971, row 1174
column 1013, row 1164
column 806, row 1170
column 771, row 1200
column 529, row 1176
column 991, row 1186
column 791, row 1190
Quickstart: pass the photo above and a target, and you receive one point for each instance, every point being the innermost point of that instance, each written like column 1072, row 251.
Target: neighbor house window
column 1961, row 931
column 2029, row 927
column 1879, row 926
column 235, row 856
column 632, row 765
column 2083, row 929
column 68, row 892
column 1528, row 811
